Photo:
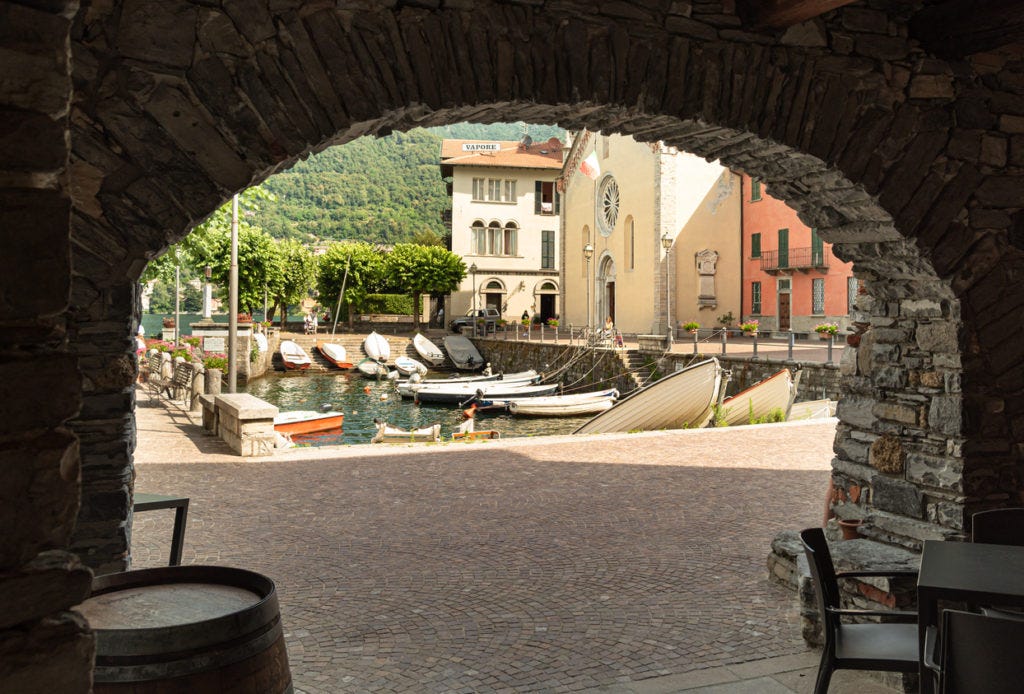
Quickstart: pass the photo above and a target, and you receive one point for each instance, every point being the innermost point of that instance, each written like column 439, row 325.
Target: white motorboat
column 407, row 366
column 293, row 356
column 408, row 389
column 428, row 351
column 490, row 390
column 463, row 353
column 680, row 400
column 387, row 433
column 766, row 399
column 376, row 347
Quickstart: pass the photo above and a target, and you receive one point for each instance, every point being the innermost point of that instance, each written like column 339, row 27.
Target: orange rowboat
column 308, row 422
column 334, row 353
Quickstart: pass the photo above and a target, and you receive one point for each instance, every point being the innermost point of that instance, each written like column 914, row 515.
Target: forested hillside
column 380, row 190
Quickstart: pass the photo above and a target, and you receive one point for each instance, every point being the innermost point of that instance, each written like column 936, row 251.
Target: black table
column 153, row 502
column 965, row 572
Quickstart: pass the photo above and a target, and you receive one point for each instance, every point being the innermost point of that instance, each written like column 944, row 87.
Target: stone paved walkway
column 616, row 563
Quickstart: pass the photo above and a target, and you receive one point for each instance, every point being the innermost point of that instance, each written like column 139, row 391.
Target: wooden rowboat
column 376, row 347
column 408, row 365
column 334, row 353
column 293, row 356
column 680, row 400
column 392, row 434
column 758, row 402
column 308, row 422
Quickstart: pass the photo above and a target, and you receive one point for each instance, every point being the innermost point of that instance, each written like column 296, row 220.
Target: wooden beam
column 958, row 28
column 779, row 14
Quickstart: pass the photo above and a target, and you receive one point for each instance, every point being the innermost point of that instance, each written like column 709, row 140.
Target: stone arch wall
column 910, row 165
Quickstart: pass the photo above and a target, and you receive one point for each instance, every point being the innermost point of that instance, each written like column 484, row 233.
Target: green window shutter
column 755, row 190
column 538, row 193
column 817, row 249
column 755, row 245
column 783, row 248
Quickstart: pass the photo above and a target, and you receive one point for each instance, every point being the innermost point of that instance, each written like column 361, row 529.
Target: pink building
column 791, row 280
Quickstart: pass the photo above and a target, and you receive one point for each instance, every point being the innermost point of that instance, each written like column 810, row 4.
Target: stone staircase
column 633, row 362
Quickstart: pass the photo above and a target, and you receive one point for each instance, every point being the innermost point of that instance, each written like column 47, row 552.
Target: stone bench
column 245, row 423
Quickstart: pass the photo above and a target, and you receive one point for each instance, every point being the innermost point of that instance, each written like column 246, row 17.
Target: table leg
column 178, row 535
column 927, row 615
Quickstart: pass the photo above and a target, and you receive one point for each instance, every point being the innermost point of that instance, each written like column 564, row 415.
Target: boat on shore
column 407, row 366
column 463, row 353
column 763, row 400
column 334, row 353
column 299, row 422
column 683, row 399
column 372, row 368
column 812, row 409
column 293, row 356
column 428, row 351
column 490, row 390
column 376, row 347
column 387, row 433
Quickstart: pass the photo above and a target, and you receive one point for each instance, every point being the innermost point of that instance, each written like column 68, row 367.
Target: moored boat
column 428, row 351
column 334, row 353
column 762, row 400
column 812, row 409
column 554, row 406
column 293, row 356
column 680, row 400
column 463, row 353
column 408, row 365
column 371, row 368
column 387, row 433
column 489, row 390
column 376, row 347
column 408, row 389
column 299, row 422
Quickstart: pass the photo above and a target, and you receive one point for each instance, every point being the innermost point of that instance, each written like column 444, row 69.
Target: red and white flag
column 590, row 168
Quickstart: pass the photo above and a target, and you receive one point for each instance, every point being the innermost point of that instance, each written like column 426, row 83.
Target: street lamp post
column 588, row 253
column 472, row 270
column 207, row 294
column 666, row 243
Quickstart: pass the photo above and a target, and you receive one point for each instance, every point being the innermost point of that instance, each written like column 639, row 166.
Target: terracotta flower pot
column 849, row 528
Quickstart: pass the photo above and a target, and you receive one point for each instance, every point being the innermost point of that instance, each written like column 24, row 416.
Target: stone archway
column 908, row 163
column 604, row 284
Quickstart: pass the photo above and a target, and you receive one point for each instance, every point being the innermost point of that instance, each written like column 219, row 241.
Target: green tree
column 364, row 265
column 260, row 266
column 424, row 270
column 298, row 276
column 162, row 298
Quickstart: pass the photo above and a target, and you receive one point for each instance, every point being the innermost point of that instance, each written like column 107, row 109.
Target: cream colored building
column 505, row 224
column 647, row 196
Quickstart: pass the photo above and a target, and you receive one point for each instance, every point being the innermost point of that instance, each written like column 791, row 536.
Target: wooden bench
column 180, row 386
column 157, row 378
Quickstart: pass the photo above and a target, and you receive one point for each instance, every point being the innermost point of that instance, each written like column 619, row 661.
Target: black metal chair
column 871, row 646
column 1000, row 526
column 977, row 653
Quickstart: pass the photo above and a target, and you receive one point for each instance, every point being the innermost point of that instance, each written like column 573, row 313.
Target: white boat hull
column 408, row 366
column 391, row 434
column 372, row 369
column 376, row 347
column 293, row 356
column 460, row 395
column 581, row 408
column 680, row 400
column 409, row 389
column 812, row 409
column 758, row 401
column 428, row 351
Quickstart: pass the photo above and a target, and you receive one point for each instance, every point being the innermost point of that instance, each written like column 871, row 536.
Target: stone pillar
column 44, row 647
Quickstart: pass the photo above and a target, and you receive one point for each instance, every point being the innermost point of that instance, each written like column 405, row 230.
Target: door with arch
column 547, row 300
column 606, row 289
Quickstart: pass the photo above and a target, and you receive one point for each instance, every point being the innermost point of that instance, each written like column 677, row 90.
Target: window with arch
column 495, row 239
column 631, row 248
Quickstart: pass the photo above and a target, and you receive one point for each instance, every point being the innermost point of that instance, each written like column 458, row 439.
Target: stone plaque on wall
column 707, row 262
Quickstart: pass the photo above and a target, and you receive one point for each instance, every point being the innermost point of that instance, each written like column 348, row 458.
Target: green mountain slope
column 378, row 190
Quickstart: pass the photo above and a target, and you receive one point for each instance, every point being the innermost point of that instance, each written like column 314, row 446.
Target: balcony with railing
column 794, row 260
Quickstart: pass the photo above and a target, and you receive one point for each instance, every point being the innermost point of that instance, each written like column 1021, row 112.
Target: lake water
column 346, row 392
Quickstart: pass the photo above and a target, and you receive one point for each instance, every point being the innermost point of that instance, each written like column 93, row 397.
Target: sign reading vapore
column 481, row 147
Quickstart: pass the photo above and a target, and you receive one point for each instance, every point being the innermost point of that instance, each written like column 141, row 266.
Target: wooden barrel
column 195, row 629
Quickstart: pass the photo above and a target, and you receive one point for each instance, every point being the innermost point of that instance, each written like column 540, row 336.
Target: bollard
column 755, row 346
column 831, row 340
column 792, row 341
column 724, row 332
column 695, row 341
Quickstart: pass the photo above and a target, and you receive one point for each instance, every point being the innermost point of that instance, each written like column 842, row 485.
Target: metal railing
column 808, row 258
column 707, row 341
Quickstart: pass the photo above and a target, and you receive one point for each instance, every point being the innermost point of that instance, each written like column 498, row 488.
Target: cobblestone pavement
column 551, row 564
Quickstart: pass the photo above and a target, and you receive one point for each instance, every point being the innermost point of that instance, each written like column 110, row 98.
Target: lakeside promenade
column 622, row 563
